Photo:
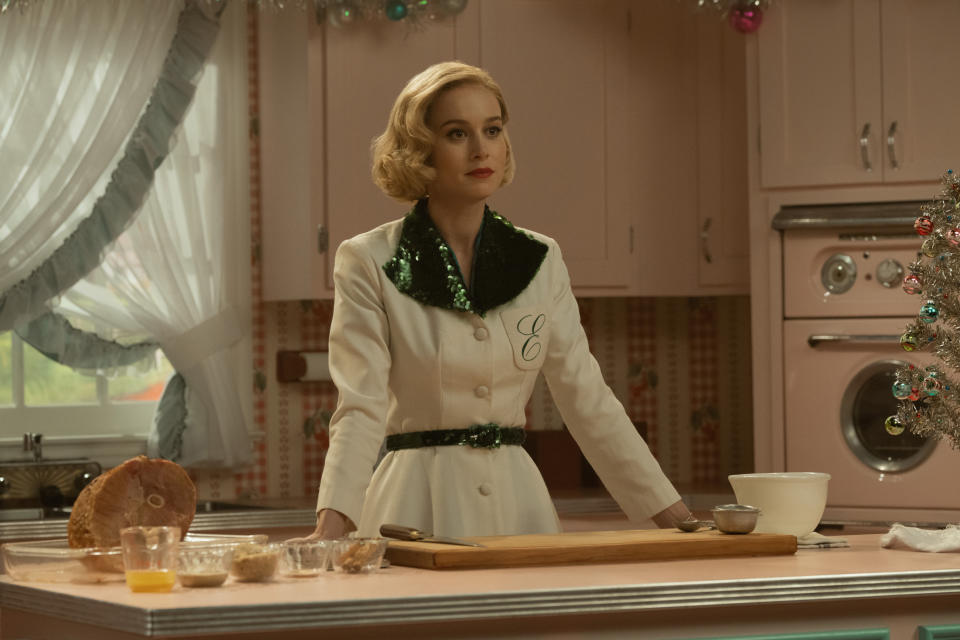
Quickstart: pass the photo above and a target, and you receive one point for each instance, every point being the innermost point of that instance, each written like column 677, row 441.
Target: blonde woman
column 442, row 321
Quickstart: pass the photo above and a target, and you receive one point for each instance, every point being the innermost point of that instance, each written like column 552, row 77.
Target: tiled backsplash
column 681, row 366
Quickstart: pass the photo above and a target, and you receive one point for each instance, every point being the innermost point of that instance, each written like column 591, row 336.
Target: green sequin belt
column 478, row 436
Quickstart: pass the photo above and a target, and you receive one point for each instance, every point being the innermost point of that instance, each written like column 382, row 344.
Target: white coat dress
column 410, row 350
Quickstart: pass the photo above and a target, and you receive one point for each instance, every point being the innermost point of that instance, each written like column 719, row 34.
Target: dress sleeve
column 359, row 367
column 592, row 413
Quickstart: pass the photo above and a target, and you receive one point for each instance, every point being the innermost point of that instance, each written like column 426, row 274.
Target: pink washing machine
column 844, row 312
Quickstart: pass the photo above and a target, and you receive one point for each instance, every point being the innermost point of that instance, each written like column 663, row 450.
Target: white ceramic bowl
column 790, row 502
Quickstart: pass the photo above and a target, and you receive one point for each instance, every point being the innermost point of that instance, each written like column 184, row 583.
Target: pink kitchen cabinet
column 627, row 127
column 722, row 250
column 565, row 72
column 689, row 164
column 325, row 92
column 847, row 88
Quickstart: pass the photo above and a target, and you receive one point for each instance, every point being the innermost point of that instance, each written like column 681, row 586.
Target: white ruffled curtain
column 76, row 76
column 179, row 273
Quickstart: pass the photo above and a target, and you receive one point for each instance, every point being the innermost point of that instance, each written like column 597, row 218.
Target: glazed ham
column 141, row 491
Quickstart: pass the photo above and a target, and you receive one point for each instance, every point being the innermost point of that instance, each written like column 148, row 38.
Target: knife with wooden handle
column 415, row 535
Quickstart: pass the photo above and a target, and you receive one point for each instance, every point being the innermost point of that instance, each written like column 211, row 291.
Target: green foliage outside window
column 49, row 383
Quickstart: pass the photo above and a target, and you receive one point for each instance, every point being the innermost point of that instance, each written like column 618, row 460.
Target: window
column 69, row 408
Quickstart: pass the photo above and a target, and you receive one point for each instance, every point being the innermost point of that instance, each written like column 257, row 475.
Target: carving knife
column 415, row 535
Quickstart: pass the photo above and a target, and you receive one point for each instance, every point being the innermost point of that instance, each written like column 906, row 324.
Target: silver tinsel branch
column 929, row 397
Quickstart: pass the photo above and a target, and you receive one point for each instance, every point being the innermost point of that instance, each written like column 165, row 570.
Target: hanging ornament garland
column 345, row 13
column 744, row 16
column 929, row 398
column 338, row 13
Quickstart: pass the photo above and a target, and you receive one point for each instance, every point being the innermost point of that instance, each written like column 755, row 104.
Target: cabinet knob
column 865, row 147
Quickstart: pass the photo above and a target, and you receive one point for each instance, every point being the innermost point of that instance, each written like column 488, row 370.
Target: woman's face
column 470, row 151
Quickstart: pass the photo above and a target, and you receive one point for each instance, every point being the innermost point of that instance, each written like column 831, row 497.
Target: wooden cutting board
column 587, row 547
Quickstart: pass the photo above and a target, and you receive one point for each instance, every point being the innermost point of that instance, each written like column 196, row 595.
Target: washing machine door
column 867, row 402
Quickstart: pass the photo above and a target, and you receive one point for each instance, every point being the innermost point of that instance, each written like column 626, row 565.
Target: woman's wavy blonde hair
column 401, row 154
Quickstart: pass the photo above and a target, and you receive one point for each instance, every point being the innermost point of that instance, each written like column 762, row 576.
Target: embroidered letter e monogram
column 528, row 329
column 530, row 326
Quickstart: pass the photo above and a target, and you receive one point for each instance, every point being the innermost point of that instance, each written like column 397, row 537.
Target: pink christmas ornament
column 746, row 19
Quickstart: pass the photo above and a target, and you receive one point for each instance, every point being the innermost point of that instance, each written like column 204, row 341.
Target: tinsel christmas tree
column 929, row 397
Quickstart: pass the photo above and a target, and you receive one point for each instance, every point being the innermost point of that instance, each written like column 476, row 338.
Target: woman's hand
column 669, row 517
column 330, row 526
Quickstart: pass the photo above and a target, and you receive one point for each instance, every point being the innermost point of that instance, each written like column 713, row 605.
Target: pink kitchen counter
column 861, row 587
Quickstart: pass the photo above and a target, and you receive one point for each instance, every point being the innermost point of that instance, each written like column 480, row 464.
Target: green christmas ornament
column 395, row 9
column 909, row 342
column 929, row 247
column 929, row 311
column 932, row 386
column 893, row 425
column 901, row 390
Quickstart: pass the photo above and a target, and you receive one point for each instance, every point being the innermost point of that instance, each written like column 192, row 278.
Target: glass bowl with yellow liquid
column 150, row 557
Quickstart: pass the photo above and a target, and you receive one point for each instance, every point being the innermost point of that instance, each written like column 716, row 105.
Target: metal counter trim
column 170, row 622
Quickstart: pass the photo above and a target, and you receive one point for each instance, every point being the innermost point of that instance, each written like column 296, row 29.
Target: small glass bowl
column 305, row 558
column 204, row 565
column 358, row 555
column 255, row 562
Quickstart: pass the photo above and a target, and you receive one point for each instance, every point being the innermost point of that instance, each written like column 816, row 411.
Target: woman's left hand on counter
column 669, row 517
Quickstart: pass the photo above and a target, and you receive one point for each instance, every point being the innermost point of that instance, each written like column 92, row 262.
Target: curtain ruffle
column 170, row 421
column 53, row 336
column 149, row 144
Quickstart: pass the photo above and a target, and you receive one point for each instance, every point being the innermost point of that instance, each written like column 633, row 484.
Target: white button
column 481, row 333
column 485, row 489
column 482, row 391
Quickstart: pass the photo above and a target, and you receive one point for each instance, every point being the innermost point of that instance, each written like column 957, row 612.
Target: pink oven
column 844, row 311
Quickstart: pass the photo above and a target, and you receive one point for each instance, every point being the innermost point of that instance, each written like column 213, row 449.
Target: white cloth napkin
column 937, row 540
column 814, row 540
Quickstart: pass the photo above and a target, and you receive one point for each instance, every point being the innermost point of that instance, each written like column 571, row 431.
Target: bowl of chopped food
column 358, row 555
column 255, row 562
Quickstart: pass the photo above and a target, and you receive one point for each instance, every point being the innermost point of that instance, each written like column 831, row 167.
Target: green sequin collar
column 425, row 268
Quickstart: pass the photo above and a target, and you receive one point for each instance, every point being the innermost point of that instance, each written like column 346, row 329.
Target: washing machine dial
column 838, row 273
column 890, row 273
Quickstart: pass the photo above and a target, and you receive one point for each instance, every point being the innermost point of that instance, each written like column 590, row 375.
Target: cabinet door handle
column 865, row 147
column 705, row 240
column 323, row 239
column 892, row 145
column 825, row 339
